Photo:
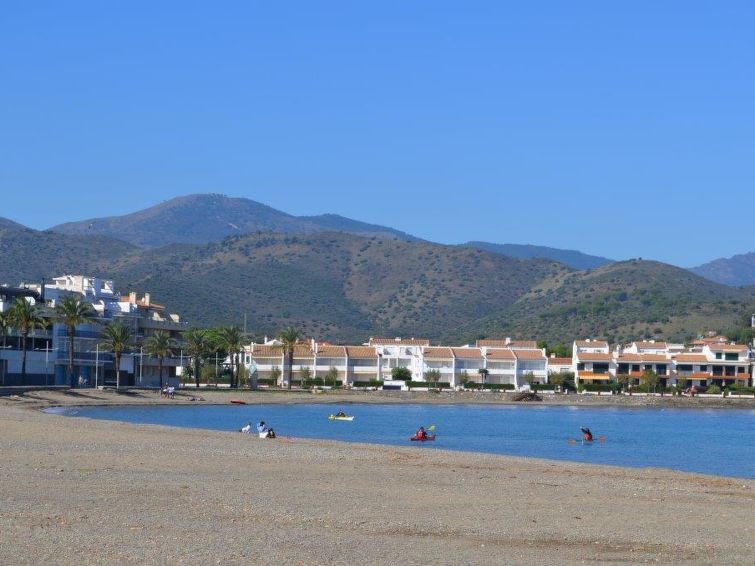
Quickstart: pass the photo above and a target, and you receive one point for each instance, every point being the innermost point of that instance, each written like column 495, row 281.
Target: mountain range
column 344, row 280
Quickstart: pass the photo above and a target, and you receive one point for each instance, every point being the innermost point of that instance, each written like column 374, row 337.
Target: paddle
column 574, row 440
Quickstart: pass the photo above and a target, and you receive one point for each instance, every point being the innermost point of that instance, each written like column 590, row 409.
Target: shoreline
column 149, row 493
column 42, row 398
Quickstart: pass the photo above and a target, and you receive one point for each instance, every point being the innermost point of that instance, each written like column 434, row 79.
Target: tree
column 305, row 373
column 623, row 379
column 681, row 384
column 650, row 379
column 275, row 374
column 464, row 378
column 5, row 326
column 160, row 345
column 432, row 377
column 402, row 374
column 116, row 338
column 483, row 376
column 563, row 379
column 25, row 317
column 331, row 376
column 229, row 338
column 530, row 378
column 198, row 345
column 71, row 312
column 290, row 338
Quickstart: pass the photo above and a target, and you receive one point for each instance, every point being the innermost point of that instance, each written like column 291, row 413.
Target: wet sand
column 86, row 491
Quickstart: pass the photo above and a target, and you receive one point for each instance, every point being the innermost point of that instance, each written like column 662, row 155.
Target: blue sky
column 620, row 130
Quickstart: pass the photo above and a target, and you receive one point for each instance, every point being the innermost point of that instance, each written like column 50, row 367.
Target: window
column 623, row 368
column 600, row 368
column 660, row 369
column 718, row 355
column 684, row 367
column 581, row 366
column 731, row 357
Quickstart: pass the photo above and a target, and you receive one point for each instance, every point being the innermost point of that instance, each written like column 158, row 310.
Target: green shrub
column 714, row 390
column 595, row 387
column 371, row 383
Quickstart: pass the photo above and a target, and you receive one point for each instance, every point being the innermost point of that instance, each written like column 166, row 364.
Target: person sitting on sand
column 421, row 434
column 270, row 433
column 586, row 434
column 340, row 414
column 247, row 429
column 262, row 427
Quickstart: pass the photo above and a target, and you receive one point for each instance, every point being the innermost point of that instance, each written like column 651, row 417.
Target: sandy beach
column 85, row 491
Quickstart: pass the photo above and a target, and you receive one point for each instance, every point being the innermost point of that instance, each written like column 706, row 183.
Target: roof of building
column 265, row 351
column 331, row 351
column 468, row 353
column 399, row 342
column 559, row 361
column 437, row 353
column 361, row 352
column 492, row 343
column 650, row 345
column 691, row 358
column 524, row 344
column 500, row 354
column 728, row 347
column 593, row 357
column 591, row 343
column 529, row 354
column 302, row 351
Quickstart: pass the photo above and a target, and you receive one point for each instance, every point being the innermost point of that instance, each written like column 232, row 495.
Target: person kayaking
column 262, row 427
column 340, row 413
column 586, row 434
column 421, row 434
column 247, row 429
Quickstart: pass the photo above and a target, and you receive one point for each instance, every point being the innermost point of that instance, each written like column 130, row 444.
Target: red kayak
column 426, row 439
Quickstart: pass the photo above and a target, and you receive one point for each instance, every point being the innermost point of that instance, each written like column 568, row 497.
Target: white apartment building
column 47, row 354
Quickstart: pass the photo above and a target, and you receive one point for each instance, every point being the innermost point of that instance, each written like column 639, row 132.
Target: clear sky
column 620, row 129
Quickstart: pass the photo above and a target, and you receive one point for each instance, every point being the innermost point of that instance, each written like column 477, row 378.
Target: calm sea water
column 720, row 442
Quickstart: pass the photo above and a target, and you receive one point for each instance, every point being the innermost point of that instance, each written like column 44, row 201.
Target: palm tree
column 198, row 346
column 290, row 337
column 483, row 376
column 5, row 326
column 25, row 317
column 117, row 337
column 160, row 345
column 229, row 338
column 71, row 312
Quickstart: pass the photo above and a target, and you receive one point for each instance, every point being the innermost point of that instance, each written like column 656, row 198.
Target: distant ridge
column 571, row 258
column 9, row 224
column 736, row 270
column 205, row 218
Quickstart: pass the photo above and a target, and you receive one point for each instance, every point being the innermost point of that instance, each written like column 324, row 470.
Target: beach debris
column 527, row 396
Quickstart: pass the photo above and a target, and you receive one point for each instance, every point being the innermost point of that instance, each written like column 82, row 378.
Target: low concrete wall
column 21, row 389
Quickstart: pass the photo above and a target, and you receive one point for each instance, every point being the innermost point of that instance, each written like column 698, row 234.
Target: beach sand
column 86, row 491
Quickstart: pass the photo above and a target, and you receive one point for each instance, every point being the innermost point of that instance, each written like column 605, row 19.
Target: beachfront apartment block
column 48, row 349
column 591, row 361
column 707, row 361
column 376, row 360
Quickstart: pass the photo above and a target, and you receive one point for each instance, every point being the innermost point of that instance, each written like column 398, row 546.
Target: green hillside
column 29, row 255
column 344, row 287
column 621, row 301
column 333, row 285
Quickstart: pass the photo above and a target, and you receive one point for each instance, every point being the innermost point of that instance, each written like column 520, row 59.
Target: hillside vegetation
column 342, row 287
column 621, row 301
column 205, row 218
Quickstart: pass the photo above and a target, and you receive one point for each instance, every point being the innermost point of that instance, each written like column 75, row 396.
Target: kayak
column 237, row 402
column 426, row 439
column 337, row 418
